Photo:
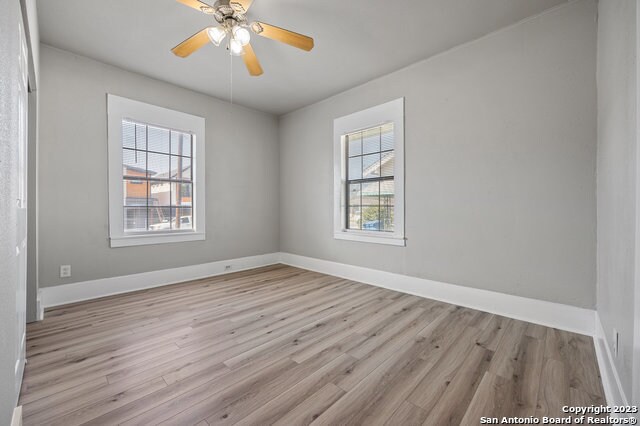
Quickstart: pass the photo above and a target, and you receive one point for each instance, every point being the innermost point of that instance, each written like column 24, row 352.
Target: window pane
column 134, row 192
column 354, row 194
column 386, row 218
column 159, row 193
column 181, row 143
column 141, row 136
column 387, row 193
column 386, row 137
column 371, row 203
column 354, row 217
column 135, row 219
column 152, row 156
column 134, row 163
column 355, row 168
column 387, row 203
column 181, row 194
column 370, row 194
column 371, row 140
column 158, row 165
column 181, row 218
column 180, row 168
column 158, row 139
column 128, row 134
column 388, row 163
column 370, row 218
column 371, row 166
column 159, row 218
column 355, row 144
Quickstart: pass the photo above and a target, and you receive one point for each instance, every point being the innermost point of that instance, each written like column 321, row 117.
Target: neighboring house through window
column 156, row 174
column 369, row 175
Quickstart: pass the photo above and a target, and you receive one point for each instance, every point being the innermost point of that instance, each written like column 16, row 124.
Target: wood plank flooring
column 286, row 346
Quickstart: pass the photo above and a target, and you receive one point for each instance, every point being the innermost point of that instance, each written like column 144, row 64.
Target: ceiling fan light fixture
column 216, row 35
column 232, row 22
column 235, row 47
column 242, row 35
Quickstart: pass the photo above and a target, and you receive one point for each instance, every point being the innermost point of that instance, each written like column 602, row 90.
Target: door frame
column 21, row 205
column 635, row 370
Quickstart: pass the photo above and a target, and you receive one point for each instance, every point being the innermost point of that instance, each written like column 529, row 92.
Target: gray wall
column 500, row 164
column 241, row 173
column 9, row 50
column 617, row 144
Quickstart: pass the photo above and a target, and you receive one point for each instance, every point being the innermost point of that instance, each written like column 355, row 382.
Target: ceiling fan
column 230, row 15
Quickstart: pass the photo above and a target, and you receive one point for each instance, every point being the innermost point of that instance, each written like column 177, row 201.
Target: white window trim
column 119, row 108
column 390, row 112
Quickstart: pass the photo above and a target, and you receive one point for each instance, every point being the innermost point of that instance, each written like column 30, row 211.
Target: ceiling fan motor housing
column 223, row 10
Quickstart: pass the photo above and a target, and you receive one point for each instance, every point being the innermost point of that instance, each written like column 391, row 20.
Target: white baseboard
column 550, row 314
column 564, row 317
column 613, row 390
column 16, row 419
column 39, row 307
column 86, row 290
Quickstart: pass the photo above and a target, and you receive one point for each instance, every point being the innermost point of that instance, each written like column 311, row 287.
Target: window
column 370, row 190
column 369, row 175
column 156, row 178
column 156, row 174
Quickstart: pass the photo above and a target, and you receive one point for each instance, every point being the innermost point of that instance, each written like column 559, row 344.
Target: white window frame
column 118, row 109
column 390, row 112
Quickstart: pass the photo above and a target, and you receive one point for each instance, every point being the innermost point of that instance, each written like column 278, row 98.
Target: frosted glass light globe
column 235, row 47
column 216, row 35
column 242, row 35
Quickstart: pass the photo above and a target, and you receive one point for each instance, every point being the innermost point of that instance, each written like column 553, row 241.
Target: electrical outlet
column 616, row 342
column 227, row 267
column 65, row 271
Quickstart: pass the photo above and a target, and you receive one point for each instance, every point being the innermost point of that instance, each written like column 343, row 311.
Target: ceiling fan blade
column 197, row 5
column 251, row 61
column 191, row 44
column 244, row 4
column 280, row 34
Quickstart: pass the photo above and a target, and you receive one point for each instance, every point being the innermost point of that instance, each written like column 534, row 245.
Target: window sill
column 142, row 240
column 369, row 237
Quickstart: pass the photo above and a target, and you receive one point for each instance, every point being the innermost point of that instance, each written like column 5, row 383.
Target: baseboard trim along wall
column 86, row 290
column 613, row 390
column 565, row 317
column 550, row 314
column 39, row 307
column 16, row 419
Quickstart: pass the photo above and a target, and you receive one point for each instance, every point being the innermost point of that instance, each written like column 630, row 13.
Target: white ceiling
column 355, row 41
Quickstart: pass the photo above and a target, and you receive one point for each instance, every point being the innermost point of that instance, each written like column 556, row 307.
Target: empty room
column 294, row 212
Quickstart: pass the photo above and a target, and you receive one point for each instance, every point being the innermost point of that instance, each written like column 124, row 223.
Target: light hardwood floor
column 281, row 345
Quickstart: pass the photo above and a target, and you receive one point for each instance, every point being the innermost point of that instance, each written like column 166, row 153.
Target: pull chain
column 231, row 77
